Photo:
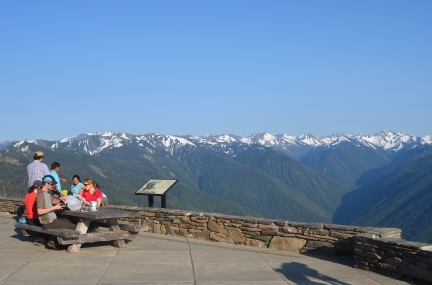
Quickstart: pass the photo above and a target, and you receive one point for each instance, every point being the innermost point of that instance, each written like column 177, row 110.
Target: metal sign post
column 156, row 187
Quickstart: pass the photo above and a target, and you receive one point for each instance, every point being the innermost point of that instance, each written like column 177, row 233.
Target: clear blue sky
column 214, row 67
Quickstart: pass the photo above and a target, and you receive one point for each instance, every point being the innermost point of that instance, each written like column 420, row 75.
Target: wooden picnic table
column 108, row 217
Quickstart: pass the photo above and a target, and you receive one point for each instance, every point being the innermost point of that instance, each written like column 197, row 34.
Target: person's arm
column 99, row 201
column 63, row 180
column 45, row 169
column 82, row 198
column 50, row 209
column 59, row 200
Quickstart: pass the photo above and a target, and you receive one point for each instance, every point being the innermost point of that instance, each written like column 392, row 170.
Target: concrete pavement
column 158, row 259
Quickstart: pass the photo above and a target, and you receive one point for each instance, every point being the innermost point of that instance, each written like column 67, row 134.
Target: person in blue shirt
column 76, row 185
column 55, row 168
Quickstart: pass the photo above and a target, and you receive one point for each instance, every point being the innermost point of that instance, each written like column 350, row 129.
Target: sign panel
column 156, row 187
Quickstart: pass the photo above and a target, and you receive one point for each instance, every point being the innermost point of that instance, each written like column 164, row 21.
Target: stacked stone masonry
column 393, row 257
column 375, row 249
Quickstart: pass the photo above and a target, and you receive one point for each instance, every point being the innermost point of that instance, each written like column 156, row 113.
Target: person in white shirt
column 37, row 170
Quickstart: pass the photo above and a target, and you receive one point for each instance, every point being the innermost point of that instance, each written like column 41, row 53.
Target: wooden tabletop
column 101, row 214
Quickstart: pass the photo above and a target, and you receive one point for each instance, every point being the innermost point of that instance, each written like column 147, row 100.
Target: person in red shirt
column 31, row 210
column 30, row 204
column 91, row 193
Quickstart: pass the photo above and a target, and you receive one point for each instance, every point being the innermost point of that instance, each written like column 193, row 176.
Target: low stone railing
column 393, row 257
column 374, row 249
column 253, row 231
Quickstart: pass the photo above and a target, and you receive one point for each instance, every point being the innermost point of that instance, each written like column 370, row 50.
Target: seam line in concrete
column 280, row 274
column 370, row 277
column 191, row 259
column 102, row 275
column 24, row 265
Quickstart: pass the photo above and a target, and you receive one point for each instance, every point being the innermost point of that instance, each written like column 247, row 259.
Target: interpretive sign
column 156, row 187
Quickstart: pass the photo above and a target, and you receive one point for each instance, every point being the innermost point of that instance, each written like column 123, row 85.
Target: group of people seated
column 44, row 199
column 89, row 191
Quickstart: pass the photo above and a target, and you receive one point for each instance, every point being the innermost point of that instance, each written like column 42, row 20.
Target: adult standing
column 37, row 169
column 55, row 168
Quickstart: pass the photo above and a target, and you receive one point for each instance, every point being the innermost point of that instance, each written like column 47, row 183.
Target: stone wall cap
column 212, row 214
column 307, row 225
column 346, row 227
column 226, row 217
column 385, row 232
column 130, row 208
column 270, row 221
column 404, row 243
column 180, row 212
column 426, row 247
column 11, row 199
column 198, row 214
column 396, row 241
column 250, row 220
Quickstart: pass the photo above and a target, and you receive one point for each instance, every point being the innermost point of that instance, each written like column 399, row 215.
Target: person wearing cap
column 37, row 169
column 31, row 211
column 47, row 205
column 30, row 204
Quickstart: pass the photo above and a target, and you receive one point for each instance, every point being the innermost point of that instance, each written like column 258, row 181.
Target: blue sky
column 214, row 67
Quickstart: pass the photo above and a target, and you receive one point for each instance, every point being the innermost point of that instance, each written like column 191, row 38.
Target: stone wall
column 393, row 257
column 258, row 232
column 13, row 206
column 374, row 249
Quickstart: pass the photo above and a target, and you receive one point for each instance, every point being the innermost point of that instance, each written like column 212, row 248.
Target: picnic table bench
column 102, row 217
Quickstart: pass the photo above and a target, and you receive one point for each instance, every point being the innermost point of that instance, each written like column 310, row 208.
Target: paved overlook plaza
column 158, row 259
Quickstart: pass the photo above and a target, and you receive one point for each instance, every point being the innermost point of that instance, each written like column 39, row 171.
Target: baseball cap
column 39, row 153
column 38, row 183
column 49, row 179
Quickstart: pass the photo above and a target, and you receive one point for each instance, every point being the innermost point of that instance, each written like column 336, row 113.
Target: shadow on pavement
column 19, row 235
column 302, row 274
column 347, row 260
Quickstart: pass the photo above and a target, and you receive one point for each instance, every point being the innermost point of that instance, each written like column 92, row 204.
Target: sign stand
column 156, row 187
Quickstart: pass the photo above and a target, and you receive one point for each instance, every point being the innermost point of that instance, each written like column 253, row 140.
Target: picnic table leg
column 114, row 226
column 82, row 227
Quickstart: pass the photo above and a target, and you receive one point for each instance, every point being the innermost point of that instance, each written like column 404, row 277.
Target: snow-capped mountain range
column 295, row 146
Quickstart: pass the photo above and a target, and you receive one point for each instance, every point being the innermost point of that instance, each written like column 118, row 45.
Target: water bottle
column 22, row 220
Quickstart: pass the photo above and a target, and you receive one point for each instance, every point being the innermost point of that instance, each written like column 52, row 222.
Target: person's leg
column 40, row 238
column 60, row 224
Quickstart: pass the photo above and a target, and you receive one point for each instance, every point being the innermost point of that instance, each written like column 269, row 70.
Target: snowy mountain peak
column 94, row 143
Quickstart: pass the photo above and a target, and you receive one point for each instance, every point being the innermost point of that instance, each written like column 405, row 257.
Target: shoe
column 40, row 241
column 95, row 230
column 51, row 244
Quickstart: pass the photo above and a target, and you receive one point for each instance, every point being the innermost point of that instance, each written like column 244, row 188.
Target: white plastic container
column 73, row 203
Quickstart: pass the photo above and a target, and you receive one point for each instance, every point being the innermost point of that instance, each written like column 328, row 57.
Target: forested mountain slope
column 400, row 197
column 209, row 181
column 345, row 161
